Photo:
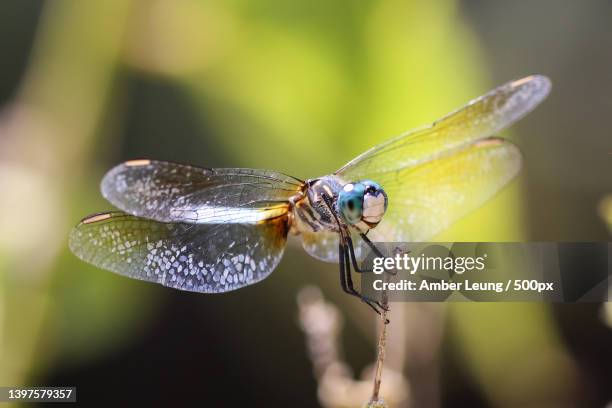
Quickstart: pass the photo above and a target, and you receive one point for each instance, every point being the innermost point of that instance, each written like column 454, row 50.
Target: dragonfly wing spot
column 137, row 163
column 96, row 218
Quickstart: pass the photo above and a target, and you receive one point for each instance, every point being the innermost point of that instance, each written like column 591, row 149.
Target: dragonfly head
column 363, row 201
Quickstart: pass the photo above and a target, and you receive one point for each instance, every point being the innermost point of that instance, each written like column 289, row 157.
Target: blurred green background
column 298, row 87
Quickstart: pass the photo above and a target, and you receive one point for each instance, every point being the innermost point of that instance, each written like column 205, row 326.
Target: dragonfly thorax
column 319, row 209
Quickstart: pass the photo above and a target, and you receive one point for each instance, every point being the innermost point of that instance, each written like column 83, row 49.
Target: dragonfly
column 214, row 230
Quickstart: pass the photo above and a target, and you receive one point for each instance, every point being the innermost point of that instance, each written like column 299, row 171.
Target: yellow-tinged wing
column 427, row 198
column 435, row 175
column 483, row 117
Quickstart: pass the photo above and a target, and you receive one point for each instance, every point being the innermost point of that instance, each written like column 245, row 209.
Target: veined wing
column 322, row 245
column 170, row 192
column 481, row 118
column 208, row 258
column 427, row 198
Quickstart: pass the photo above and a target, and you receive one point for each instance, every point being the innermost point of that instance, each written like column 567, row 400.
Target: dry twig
column 375, row 400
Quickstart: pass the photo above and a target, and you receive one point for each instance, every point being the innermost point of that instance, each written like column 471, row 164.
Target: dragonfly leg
column 374, row 248
column 371, row 244
column 374, row 304
column 351, row 252
column 342, row 270
column 347, row 282
column 351, row 249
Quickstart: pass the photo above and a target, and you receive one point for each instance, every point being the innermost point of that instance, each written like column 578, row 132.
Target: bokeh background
column 299, row 87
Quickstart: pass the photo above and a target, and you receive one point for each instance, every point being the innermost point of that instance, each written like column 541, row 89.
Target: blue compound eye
column 350, row 202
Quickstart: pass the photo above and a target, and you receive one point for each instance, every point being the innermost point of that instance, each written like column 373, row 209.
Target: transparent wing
column 482, row 117
column 322, row 245
column 426, row 199
column 170, row 192
column 207, row 258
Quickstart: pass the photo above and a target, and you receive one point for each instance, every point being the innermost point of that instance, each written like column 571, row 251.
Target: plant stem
column 382, row 343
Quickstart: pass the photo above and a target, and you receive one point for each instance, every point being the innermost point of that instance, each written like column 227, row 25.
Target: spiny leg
column 375, row 305
column 342, row 270
column 346, row 281
column 348, row 277
column 348, row 288
column 367, row 300
column 350, row 253
column 371, row 245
